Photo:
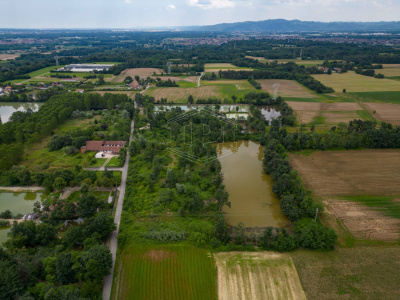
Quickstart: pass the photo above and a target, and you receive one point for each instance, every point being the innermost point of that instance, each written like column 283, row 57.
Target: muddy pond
column 250, row 190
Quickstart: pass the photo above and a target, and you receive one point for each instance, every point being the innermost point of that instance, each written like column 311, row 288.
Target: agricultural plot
column 287, row 88
column 386, row 112
column 390, row 70
column 327, row 113
column 165, row 272
column 266, row 275
column 176, row 94
column 350, row 173
column 5, row 56
column 223, row 67
column 353, row 82
column 349, row 273
column 388, row 97
column 141, row 72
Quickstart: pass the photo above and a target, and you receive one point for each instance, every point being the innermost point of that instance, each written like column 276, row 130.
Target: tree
column 59, row 183
column 97, row 262
column 344, row 91
column 100, row 80
column 65, row 274
column 190, row 99
column 221, row 230
column 10, row 281
column 128, row 80
column 45, row 233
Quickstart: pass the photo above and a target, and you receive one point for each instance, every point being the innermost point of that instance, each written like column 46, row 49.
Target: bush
column 314, row 235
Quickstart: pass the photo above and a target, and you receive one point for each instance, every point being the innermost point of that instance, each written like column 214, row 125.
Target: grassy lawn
column 165, row 272
column 114, row 162
column 76, row 124
column 43, row 71
column 349, row 273
column 99, row 163
column 389, row 97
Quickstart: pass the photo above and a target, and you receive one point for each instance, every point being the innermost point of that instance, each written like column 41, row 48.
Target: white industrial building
column 86, row 67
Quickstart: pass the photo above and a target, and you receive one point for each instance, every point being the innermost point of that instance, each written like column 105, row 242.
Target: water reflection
column 8, row 108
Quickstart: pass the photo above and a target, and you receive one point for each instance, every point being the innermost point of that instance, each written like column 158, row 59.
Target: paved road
column 108, row 280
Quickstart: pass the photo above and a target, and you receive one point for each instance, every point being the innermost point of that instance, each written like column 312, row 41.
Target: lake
column 250, row 190
column 8, row 108
column 17, row 203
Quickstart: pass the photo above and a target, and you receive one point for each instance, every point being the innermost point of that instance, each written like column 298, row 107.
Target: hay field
column 353, row 82
column 386, row 112
column 216, row 67
column 389, row 70
column 165, row 272
column 349, row 273
column 253, row 276
column 177, row 94
column 141, row 72
column 287, row 88
column 5, row 56
column 347, row 173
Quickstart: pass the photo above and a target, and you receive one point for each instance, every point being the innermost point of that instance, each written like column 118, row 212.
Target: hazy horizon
column 135, row 14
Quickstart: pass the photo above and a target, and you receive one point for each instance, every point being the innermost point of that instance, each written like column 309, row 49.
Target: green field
column 114, row 162
column 43, row 71
column 349, row 273
column 389, row 97
column 223, row 66
column 99, row 163
column 165, row 272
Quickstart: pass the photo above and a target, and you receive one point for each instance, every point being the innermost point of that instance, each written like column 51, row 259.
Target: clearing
column 352, row 172
column 349, row 273
column 287, row 88
column 165, row 272
column 353, row 82
column 249, row 275
column 386, row 112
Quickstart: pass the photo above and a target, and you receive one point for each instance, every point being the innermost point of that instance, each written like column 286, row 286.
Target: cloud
column 208, row 4
column 170, row 7
column 128, row 1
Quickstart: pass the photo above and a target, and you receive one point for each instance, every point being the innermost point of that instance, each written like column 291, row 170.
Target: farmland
column 386, row 112
column 346, row 173
column 389, row 97
column 216, row 67
column 287, row 88
column 390, row 70
column 165, row 272
column 349, row 273
column 353, row 82
column 267, row 275
column 181, row 94
column 141, row 72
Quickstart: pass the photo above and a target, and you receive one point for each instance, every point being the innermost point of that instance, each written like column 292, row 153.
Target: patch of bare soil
column 347, row 173
column 141, row 72
column 158, row 255
column 363, row 222
column 287, row 88
column 386, row 112
column 253, row 276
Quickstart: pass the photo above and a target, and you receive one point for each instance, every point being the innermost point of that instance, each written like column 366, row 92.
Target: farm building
column 85, row 67
column 104, row 146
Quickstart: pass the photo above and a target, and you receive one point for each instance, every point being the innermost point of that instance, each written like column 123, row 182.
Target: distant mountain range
column 281, row 25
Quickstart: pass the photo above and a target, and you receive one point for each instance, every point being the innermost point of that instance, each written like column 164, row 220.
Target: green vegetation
column 165, row 272
column 114, row 162
column 389, row 97
column 388, row 205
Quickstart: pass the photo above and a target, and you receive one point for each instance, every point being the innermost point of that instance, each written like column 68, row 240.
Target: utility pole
column 169, row 64
column 316, row 214
column 56, row 57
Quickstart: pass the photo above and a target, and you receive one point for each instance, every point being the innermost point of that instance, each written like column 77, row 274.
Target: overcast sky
column 148, row 13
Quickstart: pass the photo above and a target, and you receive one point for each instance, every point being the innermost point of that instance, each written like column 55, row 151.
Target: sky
column 157, row 13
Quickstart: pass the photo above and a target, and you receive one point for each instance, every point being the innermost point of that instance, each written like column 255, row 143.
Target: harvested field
column 353, row 82
column 345, row 173
column 176, row 78
column 181, row 94
column 5, row 56
column 287, row 88
column 305, row 117
column 349, row 273
column 389, row 70
column 248, row 275
column 364, row 222
column 386, row 112
column 334, row 118
column 165, row 272
column 141, row 72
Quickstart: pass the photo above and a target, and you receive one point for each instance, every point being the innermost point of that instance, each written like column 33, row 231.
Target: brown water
column 250, row 190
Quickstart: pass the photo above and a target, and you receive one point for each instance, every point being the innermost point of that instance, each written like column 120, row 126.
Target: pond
column 270, row 112
column 17, row 203
column 8, row 108
column 250, row 190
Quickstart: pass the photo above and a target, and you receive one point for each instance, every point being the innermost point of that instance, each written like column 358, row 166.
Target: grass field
column 99, row 163
column 349, row 273
column 389, row 70
column 114, row 162
column 256, row 276
column 223, row 66
column 353, row 82
column 389, row 97
column 165, row 272
column 43, row 71
column 141, row 72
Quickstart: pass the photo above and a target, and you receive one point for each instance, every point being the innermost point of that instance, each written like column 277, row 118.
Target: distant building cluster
column 85, row 68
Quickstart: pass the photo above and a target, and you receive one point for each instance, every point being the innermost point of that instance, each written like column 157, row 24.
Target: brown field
column 9, row 56
column 141, row 72
column 363, row 222
column 222, row 69
column 253, row 276
column 349, row 273
column 389, row 70
column 287, row 88
column 333, row 113
column 187, row 79
column 386, row 112
column 347, row 173
column 176, row 94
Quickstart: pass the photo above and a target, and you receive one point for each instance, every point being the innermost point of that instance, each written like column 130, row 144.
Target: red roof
column 104, row 146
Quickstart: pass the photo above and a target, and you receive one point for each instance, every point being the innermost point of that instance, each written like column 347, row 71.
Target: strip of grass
column 43, row 71
column 385, row 204
column 318, row 120
column 365, row 115
column 389, row 97
column 186, row 84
